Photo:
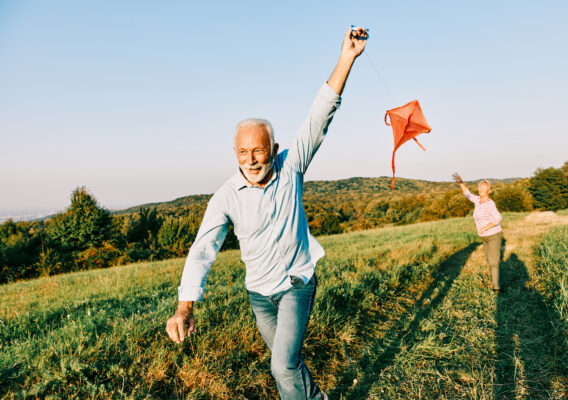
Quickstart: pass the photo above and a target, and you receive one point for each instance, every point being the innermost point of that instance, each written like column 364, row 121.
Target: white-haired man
column 263, row 200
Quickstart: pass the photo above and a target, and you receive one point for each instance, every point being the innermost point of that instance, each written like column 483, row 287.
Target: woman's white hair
column 485, row 181
column 256, row 122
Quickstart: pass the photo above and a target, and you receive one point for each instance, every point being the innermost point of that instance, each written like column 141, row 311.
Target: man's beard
column 263, row 169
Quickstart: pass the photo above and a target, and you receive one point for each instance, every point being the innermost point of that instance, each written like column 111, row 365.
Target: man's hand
column 181, row 320
column 352, row 45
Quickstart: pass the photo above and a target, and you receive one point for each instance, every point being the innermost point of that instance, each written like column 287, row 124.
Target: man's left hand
column 352, row 45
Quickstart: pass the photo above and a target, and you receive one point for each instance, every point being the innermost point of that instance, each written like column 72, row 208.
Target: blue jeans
column 282, row 320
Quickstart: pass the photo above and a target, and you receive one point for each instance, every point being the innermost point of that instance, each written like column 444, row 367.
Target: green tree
column 177, row 234
column 145, row 226
column 84, row 224
column 549, row 189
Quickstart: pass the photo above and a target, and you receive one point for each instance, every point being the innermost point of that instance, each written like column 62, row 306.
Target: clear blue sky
column 137, row 100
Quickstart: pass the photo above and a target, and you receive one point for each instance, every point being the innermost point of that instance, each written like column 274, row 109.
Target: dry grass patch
column 196, row 377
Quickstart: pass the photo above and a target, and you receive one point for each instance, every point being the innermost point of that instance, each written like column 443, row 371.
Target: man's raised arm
column 314, row 128
column 351, row 49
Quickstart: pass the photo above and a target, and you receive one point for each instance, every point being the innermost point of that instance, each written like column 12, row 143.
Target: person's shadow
column 383, row 353
column 532, row 358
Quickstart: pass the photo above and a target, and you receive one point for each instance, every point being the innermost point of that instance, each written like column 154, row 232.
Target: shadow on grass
column 532, row 358
column 384, row 351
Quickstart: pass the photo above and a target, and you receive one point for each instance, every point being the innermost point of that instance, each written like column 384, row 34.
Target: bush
column 451, row 204
column 458, row 206
column 98, row 257
column 514, row 197
column 330, row 224
column 20, row 245
column 138, row 252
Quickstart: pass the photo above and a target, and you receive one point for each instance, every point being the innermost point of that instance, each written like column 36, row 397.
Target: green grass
column 553, row 270
column 401, row 312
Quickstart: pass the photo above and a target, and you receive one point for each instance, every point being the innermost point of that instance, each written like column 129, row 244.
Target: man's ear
column 275, row 150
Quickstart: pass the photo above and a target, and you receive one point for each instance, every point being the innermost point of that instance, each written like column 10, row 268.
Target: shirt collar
column 240, row 181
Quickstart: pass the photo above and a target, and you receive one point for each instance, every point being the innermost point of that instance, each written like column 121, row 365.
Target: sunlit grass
column 401, row 312
column 553, row 268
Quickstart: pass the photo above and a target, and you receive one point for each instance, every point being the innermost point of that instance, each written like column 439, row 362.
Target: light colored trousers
column 282, row 320
column 492, row 249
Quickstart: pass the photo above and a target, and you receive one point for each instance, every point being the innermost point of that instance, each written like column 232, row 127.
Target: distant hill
column 356, row 188
column 185, row 201
column 86, row 236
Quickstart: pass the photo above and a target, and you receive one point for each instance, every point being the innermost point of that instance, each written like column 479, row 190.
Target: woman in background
column 487, row 220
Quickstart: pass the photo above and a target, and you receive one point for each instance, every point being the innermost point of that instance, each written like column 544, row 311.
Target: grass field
column 401, row 313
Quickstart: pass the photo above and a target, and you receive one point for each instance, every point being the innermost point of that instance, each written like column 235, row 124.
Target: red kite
column 407, row 122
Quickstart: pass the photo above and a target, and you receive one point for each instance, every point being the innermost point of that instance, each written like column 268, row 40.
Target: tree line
column 87, row 236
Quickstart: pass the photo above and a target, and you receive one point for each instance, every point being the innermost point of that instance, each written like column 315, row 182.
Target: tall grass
column 553, row 269
column 399, row 313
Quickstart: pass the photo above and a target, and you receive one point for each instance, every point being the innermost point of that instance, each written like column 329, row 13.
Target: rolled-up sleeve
column 203, row 252
column 313, row 129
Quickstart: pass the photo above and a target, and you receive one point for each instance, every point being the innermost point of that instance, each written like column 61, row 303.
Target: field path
column 449, row 336
column 527, row 351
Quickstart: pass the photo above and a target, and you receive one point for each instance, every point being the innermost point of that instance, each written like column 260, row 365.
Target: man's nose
column 250, row 158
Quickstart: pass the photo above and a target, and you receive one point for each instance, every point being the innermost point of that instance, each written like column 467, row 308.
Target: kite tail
column 392, row 183
column 419, row 144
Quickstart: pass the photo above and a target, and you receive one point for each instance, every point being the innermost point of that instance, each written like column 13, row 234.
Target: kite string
column 381, row 79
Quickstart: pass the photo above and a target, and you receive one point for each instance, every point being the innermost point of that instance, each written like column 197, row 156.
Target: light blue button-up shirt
column 269, row 222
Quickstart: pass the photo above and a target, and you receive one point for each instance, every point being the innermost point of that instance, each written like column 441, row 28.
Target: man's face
column 252, row 146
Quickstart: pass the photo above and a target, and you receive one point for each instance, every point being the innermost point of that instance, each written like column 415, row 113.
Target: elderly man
column 264, row 202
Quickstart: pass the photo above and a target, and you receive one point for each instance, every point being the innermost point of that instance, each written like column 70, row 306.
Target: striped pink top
column 485, row 213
